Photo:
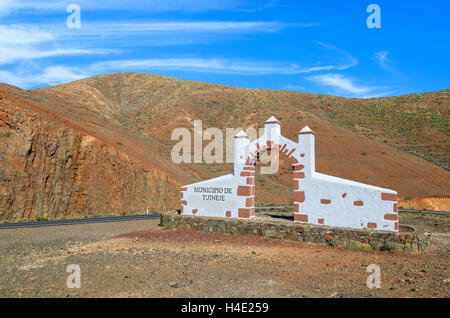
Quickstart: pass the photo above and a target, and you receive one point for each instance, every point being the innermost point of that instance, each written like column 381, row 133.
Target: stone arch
column 318, row 198
column 248, row 190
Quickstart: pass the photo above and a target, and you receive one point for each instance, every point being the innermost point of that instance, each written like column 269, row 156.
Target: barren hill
column 102, row 145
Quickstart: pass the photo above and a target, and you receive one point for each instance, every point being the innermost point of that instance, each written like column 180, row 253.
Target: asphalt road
column 122, row 218
column 119, row 218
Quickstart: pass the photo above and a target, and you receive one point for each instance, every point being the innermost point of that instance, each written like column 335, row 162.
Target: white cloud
column 349, row 60
column 212, row 65
column 54, row 75
column 193, row 26
column 345, row 86
column 12, row 54
column 381, row 58
column 26, row 77
column 293, row 87
column 12, row 79
column 142, row 5
column 6, row 6
column 15, row 34
column 27, row 42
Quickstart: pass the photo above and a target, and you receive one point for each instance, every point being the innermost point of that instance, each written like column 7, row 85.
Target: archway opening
column 274, row 190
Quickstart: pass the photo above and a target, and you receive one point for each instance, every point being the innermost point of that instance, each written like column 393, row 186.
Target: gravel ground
column 139, row 259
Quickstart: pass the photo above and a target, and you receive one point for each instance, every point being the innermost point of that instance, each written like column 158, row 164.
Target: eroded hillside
column 51, row 168
column 361, row 139
column 102, row 145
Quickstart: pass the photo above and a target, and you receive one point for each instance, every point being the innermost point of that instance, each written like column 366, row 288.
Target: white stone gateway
column 318, row 198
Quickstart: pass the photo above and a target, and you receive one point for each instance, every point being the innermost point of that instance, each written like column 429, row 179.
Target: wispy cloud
column 163, row 33
column 349, row 60
column 26, row 41
column 211, row 65
column 221, row 65
column 346, row 86
column 20, row 42
column 293, row 87
column 26, row 76
column 194, row 26
column 130, row 5
column 58, row 74
column 381, row 58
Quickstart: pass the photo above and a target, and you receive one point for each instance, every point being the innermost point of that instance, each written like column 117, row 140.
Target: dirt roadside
column 139, row 259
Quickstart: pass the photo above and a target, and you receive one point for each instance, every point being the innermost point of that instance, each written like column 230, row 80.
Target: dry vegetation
column 396, row 142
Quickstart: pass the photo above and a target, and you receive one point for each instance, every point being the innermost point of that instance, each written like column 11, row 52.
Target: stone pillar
column 241, row 148
column 306, row 141
column 272, row 130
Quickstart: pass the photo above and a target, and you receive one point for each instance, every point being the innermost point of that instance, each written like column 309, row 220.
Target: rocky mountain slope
column 52, row 168
column 102, row 145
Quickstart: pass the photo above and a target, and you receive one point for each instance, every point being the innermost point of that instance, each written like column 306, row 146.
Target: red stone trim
column 194, row 211
column 250, row 202
column 302, row 155
column 247, row 174
column 394, row 208
column 344, row 195
column 396, row 226
column 298, row 167
column 388, row 197
column 272, row 122
column 299, row 174
column 228, row 214
column 183, row 189
column 358, row 203
column 250, row 168
column 184, row 202
column 251, row 181
column 242, row 137
column 284, row 146
column 325, row 201
column 306, row 132
column 244, row 213
column 295, row 184
column 290, row 152
column 296, row 207
column 244, row 191
column 391, row 217
column 371, row 225
column 300, row 218
column 293, row 160
column 299, row 196
column 321, row 221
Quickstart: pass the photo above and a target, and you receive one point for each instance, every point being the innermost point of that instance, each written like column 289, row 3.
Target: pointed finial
column 306, row 130
column 241, row 134
column 272, row 120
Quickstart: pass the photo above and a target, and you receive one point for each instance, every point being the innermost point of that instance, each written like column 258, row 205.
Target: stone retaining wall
column 341, row 237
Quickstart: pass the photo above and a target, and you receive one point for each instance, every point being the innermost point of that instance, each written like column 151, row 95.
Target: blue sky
column 316, row 46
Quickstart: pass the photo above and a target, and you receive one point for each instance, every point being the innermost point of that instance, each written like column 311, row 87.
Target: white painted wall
column 324, row 203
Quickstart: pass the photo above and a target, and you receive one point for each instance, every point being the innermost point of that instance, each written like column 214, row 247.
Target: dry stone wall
column 324, row 235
